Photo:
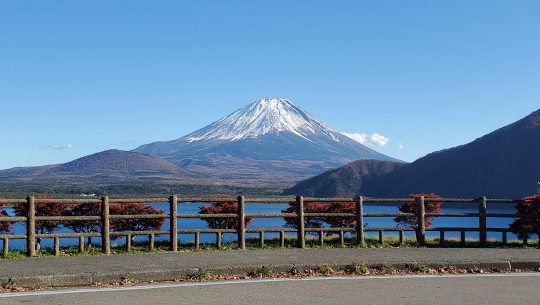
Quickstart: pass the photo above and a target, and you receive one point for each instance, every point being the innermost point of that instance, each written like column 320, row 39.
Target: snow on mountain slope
column 267, row 140
column 263, row 117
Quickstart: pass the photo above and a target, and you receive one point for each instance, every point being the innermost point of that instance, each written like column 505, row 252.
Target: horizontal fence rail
column 299, row 216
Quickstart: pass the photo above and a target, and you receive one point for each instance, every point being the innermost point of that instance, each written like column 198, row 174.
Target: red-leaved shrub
column 223, row 207
column 131, row 208
column 5, row 226
column 347, row 207
column 309, row 207
column 84, row 226
column 43, row 209
column 323, row 207
column 528, row 220
column 433, row 207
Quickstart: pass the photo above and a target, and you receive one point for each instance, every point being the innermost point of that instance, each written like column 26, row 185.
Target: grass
column 357, row 268
column 266, row 271
column 11, row 284
column 385, row 268
column 326, row 269
column 418, row 268
column 273, row 243
column 295, row 270
column 199, row 275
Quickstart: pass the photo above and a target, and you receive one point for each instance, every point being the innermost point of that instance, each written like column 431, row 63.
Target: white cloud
column 372, row 139
column 60, row 147
column 401, row 146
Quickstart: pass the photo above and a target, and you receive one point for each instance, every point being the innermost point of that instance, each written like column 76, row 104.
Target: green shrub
column 326, row 269
column 357, row 268
column 385, row 268
column 295, row 270
column 266, row 271
column 418, row 268
column 199, row 275
column 10, row 284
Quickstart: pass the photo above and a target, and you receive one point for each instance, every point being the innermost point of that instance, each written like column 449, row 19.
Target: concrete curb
column 82, row 279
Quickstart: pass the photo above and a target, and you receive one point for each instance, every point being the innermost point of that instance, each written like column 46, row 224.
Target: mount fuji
column 271, row 141
column 267, row 145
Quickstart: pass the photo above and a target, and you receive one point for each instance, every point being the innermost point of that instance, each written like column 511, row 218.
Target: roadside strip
column 256, row 281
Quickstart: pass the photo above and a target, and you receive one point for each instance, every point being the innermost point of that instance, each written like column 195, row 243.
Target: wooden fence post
column 56, row 246
column 261, row 239
column 421, row 215
column 105, row 226
column 218, row 239
column 81, row 244
column 151, row 242
column 173, row 227
column 482, row 219
column 128, row 243
column 360, row 239
column 5, row 249
column 197, row 240
column 31, row 227
column 241, row 223
column 300, row 222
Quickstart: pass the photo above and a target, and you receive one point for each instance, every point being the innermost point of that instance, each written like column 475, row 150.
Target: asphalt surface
column 85, row 270
column 512, row 289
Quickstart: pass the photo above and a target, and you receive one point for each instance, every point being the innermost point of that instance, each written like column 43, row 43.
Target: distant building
column 87, row 195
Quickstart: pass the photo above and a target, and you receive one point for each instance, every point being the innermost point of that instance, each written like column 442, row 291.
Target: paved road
column 497, row 289
column 162, row 266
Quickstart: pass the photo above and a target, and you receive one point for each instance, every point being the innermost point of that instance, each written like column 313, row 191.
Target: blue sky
column 81, row 77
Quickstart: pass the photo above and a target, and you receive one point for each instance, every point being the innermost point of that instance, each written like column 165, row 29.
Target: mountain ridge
column 271, row 143
column 112, row 161
column 274, row 140
column 503, row 163
column 344, row 181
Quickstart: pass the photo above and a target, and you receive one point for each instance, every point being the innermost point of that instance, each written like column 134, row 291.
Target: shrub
column 43, row 209
column 135, row 224
column 199, row 275
column 385, row 268
column 326, row 269
column 11, row 284
column 410, row 207
column 418, row 268
column 309, row 207
column 528, row 220
column 357, row 268
column 266, row 271
column 83, row 226
column 5, row 226
column 342, row 222
column 323, row 207
column 223, row 207
column 295, row 270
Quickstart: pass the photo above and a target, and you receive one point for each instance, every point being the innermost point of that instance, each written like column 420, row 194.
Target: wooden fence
column 300, row 216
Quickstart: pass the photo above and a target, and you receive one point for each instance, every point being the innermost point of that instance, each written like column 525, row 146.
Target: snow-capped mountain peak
column 267, row 115
column 269, row 140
